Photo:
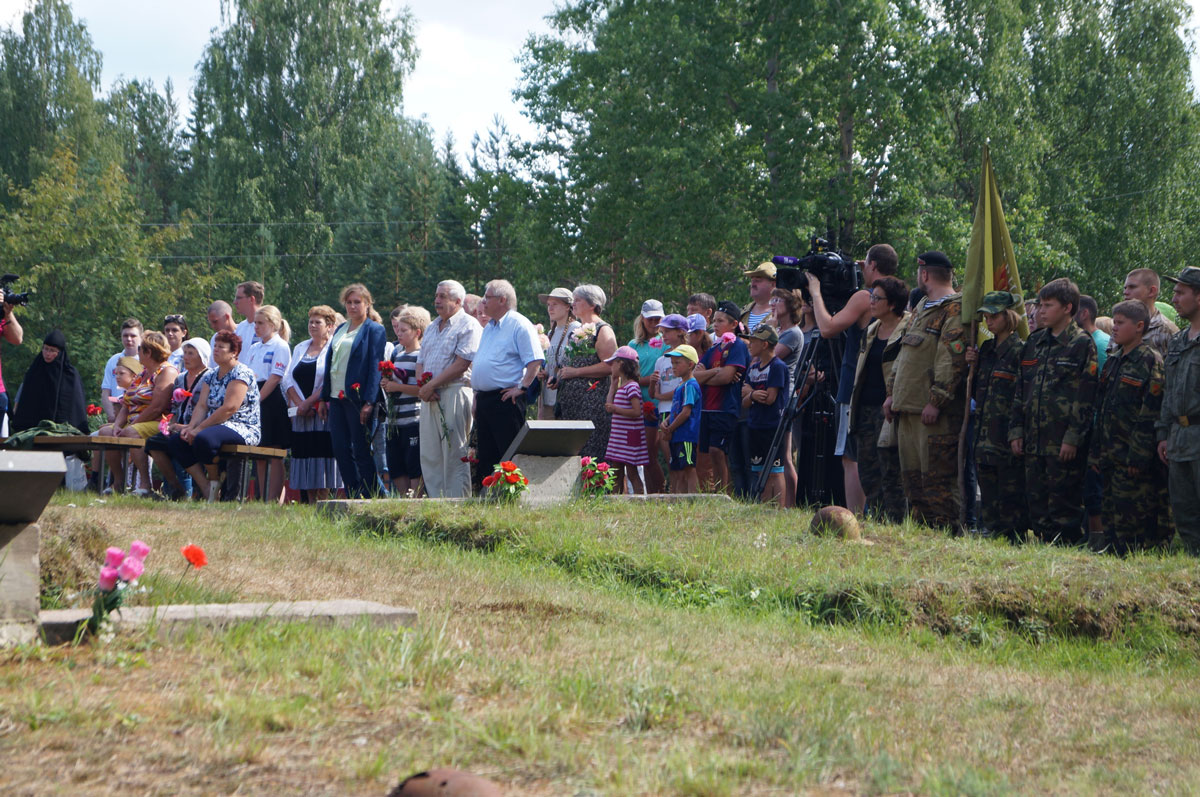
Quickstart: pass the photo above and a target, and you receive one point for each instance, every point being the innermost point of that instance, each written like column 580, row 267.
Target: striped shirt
column 404, row 410
column 627, row 436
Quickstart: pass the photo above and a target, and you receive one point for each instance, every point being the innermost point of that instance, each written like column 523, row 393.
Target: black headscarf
column 51, row 391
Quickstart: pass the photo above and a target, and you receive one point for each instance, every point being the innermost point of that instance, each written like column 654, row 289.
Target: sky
column 465, row 74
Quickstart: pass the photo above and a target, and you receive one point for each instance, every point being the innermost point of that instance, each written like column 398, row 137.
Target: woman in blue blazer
column 351, row 386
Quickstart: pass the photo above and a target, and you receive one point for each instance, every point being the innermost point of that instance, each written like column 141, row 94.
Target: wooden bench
column 244, row 455
column 76, row 444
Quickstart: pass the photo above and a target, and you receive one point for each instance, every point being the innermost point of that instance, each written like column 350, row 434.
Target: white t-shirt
column 667, row 381
column 108, row 380
column 245, row 331
column 269, row 359
column 176, row 358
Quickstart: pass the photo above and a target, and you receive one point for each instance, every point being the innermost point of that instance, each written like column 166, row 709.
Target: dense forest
column 678, row 142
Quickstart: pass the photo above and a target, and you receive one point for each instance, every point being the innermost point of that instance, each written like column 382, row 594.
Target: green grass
column 600, row 649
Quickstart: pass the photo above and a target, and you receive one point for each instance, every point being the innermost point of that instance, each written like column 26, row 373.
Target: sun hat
column 624, row 353
column 562, row 294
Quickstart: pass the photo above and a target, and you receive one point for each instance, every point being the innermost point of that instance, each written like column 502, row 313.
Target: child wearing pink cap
column 627, row 433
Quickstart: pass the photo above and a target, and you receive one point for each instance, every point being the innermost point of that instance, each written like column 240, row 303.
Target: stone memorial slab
column 547, row 452
column 27, row 481
column 61, row 625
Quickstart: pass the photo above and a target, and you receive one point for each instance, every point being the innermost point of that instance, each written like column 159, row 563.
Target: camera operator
column 10, row 330
column 851, row 321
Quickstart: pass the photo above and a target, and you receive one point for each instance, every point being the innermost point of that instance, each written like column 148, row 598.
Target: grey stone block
column 59, row 626
column 20, row 583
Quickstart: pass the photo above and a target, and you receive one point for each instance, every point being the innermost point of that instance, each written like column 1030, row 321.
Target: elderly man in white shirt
column 447, row 349
column 506, row 364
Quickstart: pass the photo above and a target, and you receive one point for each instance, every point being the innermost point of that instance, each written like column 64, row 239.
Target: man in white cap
column 762, row 282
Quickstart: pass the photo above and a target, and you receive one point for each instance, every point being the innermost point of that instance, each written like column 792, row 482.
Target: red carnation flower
column 508, row 467
column 355, row 386
column 341, row 394
column 512, row 478
column 195, row 555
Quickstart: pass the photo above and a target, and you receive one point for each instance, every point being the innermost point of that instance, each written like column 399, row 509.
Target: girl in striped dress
column 627, row 430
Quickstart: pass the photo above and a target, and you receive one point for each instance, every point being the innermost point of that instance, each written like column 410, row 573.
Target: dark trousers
column 497, row 423
column 1055, row 494
column 205, row 448
column 352, row 448
column 739, row 461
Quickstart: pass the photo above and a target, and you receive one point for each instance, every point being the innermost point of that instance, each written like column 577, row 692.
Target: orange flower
column 508, row 467
column 512, row 478
column 195, row 555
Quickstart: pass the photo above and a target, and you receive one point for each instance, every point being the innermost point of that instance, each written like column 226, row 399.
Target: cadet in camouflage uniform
column 926, row 395
column 1001, row 474
column 1178, row 427
column 1052, row 414
column 1123, row 445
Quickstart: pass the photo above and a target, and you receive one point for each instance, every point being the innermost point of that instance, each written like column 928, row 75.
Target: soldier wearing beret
column 1178, row 427
column 1052, row 414
column 1001, row 474
column 926, row 395
column 1123, row 445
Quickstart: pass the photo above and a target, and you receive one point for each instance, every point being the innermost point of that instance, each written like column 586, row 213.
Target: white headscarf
column 202, row 348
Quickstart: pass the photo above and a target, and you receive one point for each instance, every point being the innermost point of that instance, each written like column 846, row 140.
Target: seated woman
column 226, row 411
column 142, row 406
column 51, row 390
column 196, row 353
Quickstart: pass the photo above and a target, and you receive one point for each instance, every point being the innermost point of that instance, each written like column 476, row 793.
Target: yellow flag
column 991, row 264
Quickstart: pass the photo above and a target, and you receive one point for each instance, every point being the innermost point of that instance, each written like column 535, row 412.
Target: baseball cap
column 730, row 309
column 935, row 258
column 558, row 293
column 764, row 332
column 652, row 308
column 674, row 321
column 685, row 351
column 999, row 301
column 624, row 353
column 766, row 270
column 697, row 323
column 1190, row 276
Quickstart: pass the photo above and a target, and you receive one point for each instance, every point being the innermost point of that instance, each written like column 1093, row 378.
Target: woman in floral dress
column 583, row 380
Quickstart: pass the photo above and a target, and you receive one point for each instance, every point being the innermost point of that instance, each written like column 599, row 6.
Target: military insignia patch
column 1155, row 388
column 1092, row 368
column 957, row 347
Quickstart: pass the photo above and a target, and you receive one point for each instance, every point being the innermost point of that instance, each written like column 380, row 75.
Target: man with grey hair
column 506, row 364
column 447, row 349
column 220, row 319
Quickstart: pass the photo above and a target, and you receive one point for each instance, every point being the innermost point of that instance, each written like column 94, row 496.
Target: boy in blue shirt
column 683, row 424
column 720, row 375
column 764, row 393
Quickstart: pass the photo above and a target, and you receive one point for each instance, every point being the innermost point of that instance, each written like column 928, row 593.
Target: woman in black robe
column 52, row 389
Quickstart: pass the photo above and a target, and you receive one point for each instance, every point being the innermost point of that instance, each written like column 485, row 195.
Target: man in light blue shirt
column 504, row 367
column 1086, row 317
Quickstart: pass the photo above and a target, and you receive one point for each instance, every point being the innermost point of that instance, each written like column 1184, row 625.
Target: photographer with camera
column 851, row 322
column 10, row 330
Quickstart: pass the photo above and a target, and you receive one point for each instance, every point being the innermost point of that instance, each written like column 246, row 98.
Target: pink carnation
column 108, row 579
column 113, row 558
column 656, row 343
column 131, row 569
column 139, row 550
column 585, row 462
column 728, row 337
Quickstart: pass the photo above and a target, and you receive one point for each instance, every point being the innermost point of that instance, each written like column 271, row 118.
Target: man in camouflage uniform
column 926, row 395
column 1001, row 474
column 1178, row 427
column 1143, row 285
column 1052, row 414
column 1123, row 445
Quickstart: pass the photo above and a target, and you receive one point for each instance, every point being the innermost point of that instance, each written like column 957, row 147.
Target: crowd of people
column 1072, row 426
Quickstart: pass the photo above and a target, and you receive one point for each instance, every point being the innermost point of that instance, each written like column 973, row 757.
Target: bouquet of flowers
column 387, row 368
column 118, row 575
column 583, row 342
column 95, row 417
column 506, row 482
column 596, row 477
column 649, row 411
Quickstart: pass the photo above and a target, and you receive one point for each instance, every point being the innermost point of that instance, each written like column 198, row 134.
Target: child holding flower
column 627, row 429
column 403, row 407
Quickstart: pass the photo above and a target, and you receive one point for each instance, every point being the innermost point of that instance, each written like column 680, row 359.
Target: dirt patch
column 71, row 550
column 541, row 610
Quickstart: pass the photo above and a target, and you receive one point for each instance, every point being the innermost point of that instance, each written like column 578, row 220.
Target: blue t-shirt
column 726, row 398
column 686, row 394
column 763, row 377
column 1101, row 339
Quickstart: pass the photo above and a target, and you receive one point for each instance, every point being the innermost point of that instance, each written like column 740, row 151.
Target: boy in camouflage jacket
column 1123, row 448
column 1052, row 414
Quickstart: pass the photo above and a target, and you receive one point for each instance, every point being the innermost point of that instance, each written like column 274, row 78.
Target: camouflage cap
column 999, row 301
column 1190, row 276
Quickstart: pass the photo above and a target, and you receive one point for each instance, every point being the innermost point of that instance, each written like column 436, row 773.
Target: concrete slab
column 20, row 583
column 60, row 625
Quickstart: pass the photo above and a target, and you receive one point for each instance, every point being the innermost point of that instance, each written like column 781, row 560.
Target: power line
column 398, row 223
column 482, row 251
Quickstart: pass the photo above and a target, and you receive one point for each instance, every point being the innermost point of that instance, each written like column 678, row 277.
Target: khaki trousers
column 442, row 467
column 929, row 467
